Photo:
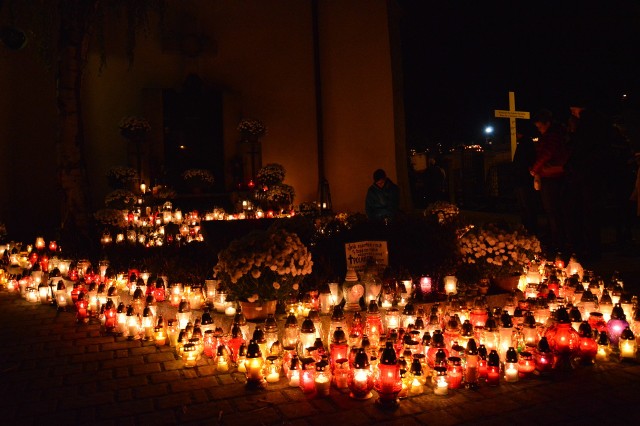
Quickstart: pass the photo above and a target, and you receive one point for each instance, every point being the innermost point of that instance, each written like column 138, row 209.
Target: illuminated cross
column 512, row 114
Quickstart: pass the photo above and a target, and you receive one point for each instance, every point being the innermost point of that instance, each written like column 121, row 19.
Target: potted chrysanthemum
column 497, row 253
column 134, row 128
column 251, row 129
column 262, row 268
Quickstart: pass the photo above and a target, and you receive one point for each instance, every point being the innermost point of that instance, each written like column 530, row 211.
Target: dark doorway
column 193, row 132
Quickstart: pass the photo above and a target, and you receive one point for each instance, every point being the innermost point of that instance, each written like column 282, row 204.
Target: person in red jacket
column 548, row 173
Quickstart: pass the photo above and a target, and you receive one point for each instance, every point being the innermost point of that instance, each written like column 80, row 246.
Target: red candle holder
column 526, row 364
column 388, row 382
column 82, row 305
column 543, row 357
column 338, row 349
column 454, row 372
column 110, row 316
column 308, row 379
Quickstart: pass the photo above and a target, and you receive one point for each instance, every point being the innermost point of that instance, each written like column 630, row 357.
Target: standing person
column 548, row 173
column 587, row 169
column 434, row 182
column 383, row 197
column 526, row 197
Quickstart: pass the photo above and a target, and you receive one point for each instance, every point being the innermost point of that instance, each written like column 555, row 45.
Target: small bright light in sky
column 488, row 130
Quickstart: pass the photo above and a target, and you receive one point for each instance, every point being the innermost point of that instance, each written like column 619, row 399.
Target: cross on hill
column 512, row 115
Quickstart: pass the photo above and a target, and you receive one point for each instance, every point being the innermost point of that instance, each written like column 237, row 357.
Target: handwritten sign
column 359, row 253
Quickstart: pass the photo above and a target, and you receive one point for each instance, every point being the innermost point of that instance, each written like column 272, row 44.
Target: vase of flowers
column 251, row 130
column 496, row 252
column 271, row 193
column 276, row 197
column 263, row 266
column 271, row 174
column 198, row 180
column 122, row 177
column 134, row 128
column 120, row 199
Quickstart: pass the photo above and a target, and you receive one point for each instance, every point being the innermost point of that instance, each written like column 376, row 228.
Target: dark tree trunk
column 74, row 41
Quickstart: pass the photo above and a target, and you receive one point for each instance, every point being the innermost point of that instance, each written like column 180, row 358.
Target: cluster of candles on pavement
column 558, row 320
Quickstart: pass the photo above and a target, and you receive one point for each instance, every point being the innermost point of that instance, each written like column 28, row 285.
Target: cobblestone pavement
column 55, row 371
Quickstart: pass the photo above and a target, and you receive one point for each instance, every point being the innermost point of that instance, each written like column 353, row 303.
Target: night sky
column 462, row 58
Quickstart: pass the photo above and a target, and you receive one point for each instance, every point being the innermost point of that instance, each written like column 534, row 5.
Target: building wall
column 261, row 58
column 28, row 125
column 358, row 98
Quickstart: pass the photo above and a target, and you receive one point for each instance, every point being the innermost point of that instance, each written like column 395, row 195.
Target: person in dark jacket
column 548, row 173
column 383, row 197
column 587, row 169
column 527, row 198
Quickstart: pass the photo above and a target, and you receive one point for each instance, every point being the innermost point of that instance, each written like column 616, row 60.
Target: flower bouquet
column 250, row 128
column 121, row 177
column 445, row 212
column 280, row 194
column 263, row 265
column 491, row 251
column 120, row 199
column 271, row 174
column 134, row 128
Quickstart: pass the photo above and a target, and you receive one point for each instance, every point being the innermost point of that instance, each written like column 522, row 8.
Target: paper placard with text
column 358, row 253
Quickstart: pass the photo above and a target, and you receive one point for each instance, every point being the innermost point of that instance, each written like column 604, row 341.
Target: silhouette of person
column 587, row 169
column 551, row 155
column 383, row 197
column 434, row 182
column 527, row 198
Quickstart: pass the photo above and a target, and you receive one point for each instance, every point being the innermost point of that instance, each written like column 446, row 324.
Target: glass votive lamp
column 511, row 365
column 190, row 355
column 627, row 345
column 307, row 378
column 526, row 364
column 441, row 384
column 323, row 378
column 254, row 365
column 388, row 382
column 160, row 335
column 341, row 373
column 450, row 284
column 272, row 369
column 455, row 372
column 493, row 368
column 360, row 380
